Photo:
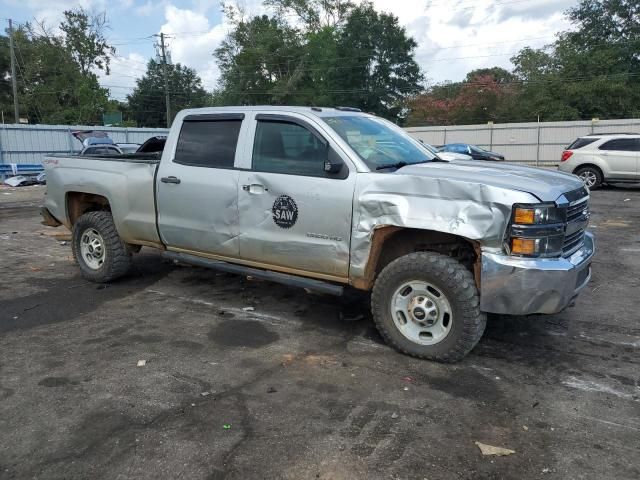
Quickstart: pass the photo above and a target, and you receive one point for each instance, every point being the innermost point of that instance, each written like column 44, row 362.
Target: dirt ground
column 302, row 387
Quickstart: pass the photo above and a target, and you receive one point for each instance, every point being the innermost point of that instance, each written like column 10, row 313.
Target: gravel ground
column 302, row 386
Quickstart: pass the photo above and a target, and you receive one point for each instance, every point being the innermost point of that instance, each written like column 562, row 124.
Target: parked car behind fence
column 603, row 158
column 474, row 151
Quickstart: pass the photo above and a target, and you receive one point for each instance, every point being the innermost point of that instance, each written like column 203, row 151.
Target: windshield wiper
column 393, row 165
column 399, row 165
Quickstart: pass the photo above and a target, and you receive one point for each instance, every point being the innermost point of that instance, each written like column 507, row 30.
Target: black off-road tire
column 594, row 173
column 457, row 284
column 117, row 255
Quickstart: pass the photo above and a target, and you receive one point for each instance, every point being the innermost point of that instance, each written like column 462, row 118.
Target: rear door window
column 581, row 142
column 622, row 145
column 208, row 143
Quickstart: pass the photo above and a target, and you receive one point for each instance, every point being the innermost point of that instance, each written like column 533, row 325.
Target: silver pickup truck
column 327, row 198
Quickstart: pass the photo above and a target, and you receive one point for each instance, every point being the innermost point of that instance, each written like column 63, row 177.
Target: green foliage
column 6, row 97
column 377, row 70
column 53, row 71
column 51, row 87
column 315, row 14
column 485, row 95
column 84, row 38
column 147, row 101
column 338, row 53
column 591, row 71
column 258, row 62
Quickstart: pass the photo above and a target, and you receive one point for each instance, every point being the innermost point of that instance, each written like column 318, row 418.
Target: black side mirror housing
column 333, row 164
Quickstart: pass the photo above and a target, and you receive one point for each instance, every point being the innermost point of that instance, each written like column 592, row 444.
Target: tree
column 315, row 14
column 486, row 94
column 258, row 60
column 147, row 101
column 333, row 52
column 51, row 87
column 6, row 95
column 377, row 71
column 54, row 74
column 590, row 71
column 85, row 40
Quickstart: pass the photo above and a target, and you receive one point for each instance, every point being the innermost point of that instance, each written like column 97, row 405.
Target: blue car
column 474, row 151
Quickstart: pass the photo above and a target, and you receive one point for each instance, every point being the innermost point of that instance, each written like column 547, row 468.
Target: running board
column 285, row 278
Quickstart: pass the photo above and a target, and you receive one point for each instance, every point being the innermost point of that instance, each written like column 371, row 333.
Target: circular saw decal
column 285, row 211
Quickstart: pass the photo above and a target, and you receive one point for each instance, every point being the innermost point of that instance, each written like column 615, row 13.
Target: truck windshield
column 379, row 143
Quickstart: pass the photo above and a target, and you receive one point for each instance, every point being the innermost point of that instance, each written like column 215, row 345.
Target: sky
column 453, row 36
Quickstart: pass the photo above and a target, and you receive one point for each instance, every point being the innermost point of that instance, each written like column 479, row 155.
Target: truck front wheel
column 427, row 305
column 98, row 249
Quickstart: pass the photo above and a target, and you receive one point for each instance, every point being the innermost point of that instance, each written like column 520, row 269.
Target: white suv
column 604, row 158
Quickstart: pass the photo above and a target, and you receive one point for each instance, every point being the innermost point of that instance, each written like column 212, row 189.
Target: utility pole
column 166, row 80
column 14, row 80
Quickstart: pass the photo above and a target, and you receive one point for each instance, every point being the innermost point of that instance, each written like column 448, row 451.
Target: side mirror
column 333, row 163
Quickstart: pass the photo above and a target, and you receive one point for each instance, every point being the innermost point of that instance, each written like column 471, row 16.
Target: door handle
column 255, row 188
column 171, row 179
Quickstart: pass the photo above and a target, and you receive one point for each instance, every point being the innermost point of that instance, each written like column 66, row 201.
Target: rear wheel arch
column 591, row 165
column 597, row 173
column 79, row 203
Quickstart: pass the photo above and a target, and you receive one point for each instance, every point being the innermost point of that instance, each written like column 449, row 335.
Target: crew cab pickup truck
column 330, row 198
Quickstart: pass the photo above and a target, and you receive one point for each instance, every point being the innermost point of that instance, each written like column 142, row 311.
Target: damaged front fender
column 466, row 209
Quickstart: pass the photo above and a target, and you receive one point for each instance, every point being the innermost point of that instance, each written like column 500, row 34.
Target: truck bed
column 125, row 181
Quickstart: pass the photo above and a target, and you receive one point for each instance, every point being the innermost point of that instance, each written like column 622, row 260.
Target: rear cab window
column 209, row 141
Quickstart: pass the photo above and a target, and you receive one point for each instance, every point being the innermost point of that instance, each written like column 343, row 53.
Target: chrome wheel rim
column 92, row 248
column 589, row 178
column 421, row 312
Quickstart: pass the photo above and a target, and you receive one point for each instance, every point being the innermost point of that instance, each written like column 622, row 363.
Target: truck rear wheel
column 98, row 249
column 427, row 305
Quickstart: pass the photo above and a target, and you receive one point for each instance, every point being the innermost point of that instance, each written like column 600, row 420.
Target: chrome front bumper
column 518, row 286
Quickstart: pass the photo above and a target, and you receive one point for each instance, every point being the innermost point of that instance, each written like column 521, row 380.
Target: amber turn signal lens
column 523, row 246
column 524, row 216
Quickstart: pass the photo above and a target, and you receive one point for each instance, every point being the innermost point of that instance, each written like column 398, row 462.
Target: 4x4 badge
column 285, row 211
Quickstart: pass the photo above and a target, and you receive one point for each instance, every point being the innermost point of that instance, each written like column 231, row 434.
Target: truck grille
column 577, row 220
column 573, row 242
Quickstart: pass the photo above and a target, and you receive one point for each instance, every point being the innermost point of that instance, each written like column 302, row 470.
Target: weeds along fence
column 536, row 143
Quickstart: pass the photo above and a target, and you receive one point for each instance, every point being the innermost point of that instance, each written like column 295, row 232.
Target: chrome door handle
column 255, row 188
column 171, row 179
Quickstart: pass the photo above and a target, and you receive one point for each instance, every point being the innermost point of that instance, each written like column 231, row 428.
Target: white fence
column 28, row 144
column 531, row 143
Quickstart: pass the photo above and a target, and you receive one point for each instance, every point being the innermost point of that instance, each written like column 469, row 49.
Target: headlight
column 539, row 214
column 536, row 230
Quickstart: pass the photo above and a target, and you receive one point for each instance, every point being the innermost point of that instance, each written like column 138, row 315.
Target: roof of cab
column 317, row 111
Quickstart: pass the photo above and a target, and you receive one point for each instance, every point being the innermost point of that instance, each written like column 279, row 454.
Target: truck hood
column 545, row 184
